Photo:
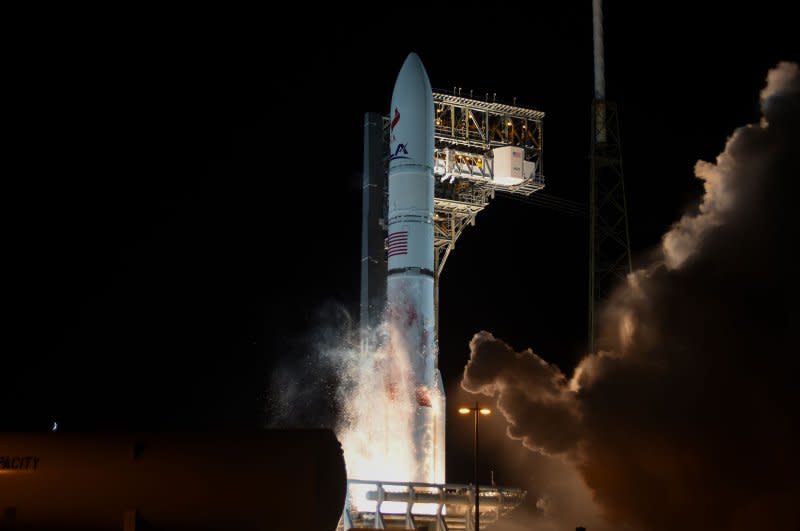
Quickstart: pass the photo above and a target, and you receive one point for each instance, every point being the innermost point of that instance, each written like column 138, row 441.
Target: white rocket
column 410, row 282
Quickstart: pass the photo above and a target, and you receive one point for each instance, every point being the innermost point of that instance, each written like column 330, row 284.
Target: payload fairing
column 410, row 281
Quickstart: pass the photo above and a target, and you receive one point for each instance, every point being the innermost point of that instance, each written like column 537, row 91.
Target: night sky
column 183, row 197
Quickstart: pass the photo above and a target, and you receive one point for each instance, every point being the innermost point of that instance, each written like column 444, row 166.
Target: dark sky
column 183, row 188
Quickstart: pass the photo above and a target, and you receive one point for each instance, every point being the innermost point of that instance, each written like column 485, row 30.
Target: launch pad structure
column 480, row 147
column 447, row 507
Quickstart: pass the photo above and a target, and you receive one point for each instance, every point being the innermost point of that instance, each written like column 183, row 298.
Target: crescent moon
column 55, row 426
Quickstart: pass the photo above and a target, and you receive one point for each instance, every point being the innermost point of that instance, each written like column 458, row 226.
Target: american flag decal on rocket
column 398, row 243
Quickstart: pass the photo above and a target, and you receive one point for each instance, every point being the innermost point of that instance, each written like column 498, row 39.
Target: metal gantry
column 466, row 133
column 388, row 504
column 609, row 241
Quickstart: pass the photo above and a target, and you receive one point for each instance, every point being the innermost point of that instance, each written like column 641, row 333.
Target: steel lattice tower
column 609, row 241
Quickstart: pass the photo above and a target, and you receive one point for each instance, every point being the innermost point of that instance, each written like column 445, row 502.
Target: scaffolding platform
column 480, row 147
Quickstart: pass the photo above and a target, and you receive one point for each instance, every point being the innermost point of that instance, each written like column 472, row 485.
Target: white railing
column 377, row 504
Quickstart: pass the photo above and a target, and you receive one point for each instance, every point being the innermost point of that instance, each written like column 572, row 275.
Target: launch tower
column 480, row 147
column 609, row 240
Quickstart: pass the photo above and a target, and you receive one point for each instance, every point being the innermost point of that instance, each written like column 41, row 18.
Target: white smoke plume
column 335, row 384
column 687, row 417
column 375, row 425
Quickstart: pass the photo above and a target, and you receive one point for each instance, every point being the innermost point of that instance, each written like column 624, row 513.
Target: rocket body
column 410, row 282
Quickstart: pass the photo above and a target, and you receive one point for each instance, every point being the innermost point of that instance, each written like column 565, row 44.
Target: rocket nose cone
column 412, row 77
column 412, row 59
column 413, row 68
column 411, row 139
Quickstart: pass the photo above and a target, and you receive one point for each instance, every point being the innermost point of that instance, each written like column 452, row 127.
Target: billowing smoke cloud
column 686, row 418
column 309, row 387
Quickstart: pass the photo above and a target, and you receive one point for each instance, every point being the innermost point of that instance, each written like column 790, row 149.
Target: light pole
column 483, row 411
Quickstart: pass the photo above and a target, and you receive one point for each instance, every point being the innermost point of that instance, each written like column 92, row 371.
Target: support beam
column 373, row 256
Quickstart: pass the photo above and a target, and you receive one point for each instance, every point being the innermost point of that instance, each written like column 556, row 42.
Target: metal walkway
column 450, row 507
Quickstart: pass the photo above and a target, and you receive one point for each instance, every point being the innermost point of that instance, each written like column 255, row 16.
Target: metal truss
column 484, row 124
column 449, row 507
column 466, row 132
column 455, row 207
column 609, row 253
column 475, row 127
